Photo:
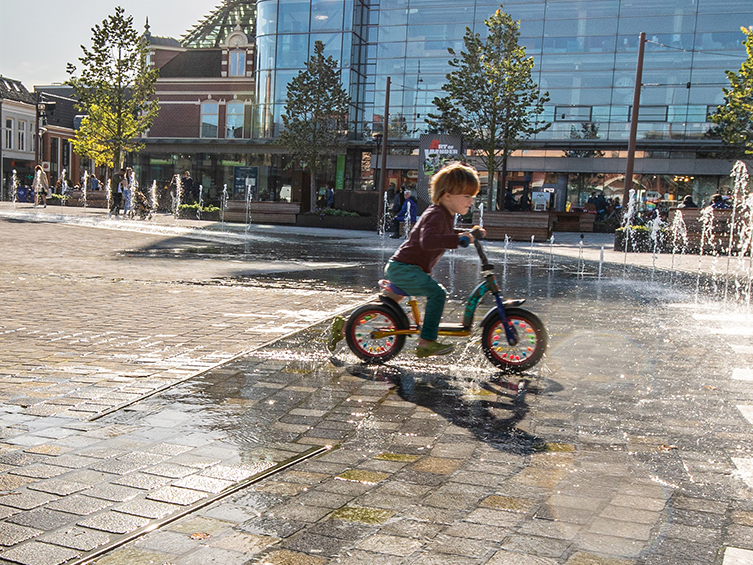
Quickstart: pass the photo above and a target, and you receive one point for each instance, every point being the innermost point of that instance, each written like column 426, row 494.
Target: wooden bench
column 718, row 234
column 573, row 221
column 517, row 226
column 262, row 212
column 94, row 198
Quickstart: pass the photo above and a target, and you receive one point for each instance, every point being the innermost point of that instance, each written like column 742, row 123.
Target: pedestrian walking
column 40, row 186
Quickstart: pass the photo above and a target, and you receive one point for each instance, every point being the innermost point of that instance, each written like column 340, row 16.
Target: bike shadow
column 491, row 409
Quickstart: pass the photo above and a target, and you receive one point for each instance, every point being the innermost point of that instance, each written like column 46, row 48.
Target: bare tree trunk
column 314, row 194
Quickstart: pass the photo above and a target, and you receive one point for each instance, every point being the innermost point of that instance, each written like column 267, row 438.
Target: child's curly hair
column 455, row 178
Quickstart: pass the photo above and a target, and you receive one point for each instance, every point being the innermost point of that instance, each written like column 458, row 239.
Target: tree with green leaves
column 316, row 115
column 491, row 98
column 734, row 119
column 115, row 90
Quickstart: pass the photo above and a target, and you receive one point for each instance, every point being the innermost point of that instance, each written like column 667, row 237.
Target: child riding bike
column 452, row 190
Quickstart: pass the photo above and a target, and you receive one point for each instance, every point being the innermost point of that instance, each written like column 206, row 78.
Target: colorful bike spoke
column 519, row 352
column 371, row 323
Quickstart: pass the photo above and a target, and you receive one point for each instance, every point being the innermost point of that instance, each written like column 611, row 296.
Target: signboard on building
column 340, row 176
column 245, row 183
column 435, row 151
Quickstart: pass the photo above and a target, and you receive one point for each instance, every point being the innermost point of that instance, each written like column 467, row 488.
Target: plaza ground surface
column 166, row 397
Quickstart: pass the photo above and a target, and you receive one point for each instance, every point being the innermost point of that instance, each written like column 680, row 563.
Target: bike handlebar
column 477, row 236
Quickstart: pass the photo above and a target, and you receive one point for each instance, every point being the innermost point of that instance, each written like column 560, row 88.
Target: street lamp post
column 634, row 121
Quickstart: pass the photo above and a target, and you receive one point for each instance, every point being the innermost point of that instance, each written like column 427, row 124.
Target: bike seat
column 384, row 284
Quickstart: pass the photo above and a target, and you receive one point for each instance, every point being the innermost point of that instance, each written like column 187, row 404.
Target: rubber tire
column 392, row 345
column 492, row 322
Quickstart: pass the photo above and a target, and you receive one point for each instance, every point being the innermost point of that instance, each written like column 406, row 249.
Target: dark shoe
column 434, row 348
column 336, row 332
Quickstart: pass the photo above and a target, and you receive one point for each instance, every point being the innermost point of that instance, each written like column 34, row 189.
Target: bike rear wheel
column 532, row 340
column 370, row 318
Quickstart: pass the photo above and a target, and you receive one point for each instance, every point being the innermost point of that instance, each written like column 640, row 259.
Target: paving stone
column 13, row 482
column 78, row 504
column 115, row 493
column 41, row 518
column 117, row 466
column 113, row 522
column 146, row 508
column 169, row 448
column 169, row 470
column 285, row 557
column 308, row 542
column 133, row 556
column 26, row 500
column 11, row 534
column 392, row 545
column 214, row 556
column 244, row 543
column 73, row 461
column 175, row 495
column 59, row 487
column 236, row 473
column 76, row 538
column 204, row 484
column 39, row 471
column 35, row 553
column 142, row 481
column 503, row 557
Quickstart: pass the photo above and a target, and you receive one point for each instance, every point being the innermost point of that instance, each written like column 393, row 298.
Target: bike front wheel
column 361, row 325
column 532, row 340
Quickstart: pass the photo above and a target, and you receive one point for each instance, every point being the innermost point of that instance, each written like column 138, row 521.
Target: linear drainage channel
column 157, row 524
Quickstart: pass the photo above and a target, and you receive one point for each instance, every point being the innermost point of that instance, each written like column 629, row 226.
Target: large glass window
column 292, row 51
column 237, row 63
column 266, row 17
column 326, row 15
column 267, row 48
column 332, row 44
column 582, row 9
column 21, row 135
column 393, row 18
column 9, row 133
column 210, row 119
column 293, row 16
column 234, row 121
column 435, row 14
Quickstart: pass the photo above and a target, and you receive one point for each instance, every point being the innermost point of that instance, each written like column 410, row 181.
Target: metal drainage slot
column 157, row 524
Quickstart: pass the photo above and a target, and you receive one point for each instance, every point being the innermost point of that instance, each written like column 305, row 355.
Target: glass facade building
column 585, row 57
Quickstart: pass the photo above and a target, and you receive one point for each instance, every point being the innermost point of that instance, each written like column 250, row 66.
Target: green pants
column 413, row 280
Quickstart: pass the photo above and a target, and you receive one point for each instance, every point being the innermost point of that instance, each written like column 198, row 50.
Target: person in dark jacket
column 406, row 214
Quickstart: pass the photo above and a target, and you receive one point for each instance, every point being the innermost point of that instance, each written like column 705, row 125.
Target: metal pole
column 383, row 168
column 634, row 121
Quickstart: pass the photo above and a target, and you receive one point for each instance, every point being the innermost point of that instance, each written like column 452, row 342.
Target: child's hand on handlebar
column 479, row 230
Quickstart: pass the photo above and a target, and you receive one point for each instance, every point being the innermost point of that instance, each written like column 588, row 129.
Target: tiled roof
column 163, row 41
column 196, row 63
column 13, row 90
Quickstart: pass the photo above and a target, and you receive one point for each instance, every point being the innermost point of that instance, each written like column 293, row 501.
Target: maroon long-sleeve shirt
column 430, row 237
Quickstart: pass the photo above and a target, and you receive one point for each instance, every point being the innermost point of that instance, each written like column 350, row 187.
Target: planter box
column 337, row 222
column 641, row 242
column 205, row 216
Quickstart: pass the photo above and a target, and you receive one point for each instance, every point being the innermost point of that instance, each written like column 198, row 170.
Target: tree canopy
column 491, row 98
column 315, row 122
column 115, row 89
column 734, row 119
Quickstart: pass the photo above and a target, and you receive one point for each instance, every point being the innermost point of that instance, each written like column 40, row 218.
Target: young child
column 452, row 191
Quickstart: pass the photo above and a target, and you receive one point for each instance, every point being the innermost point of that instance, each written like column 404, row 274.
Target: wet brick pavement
column 633, row 446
